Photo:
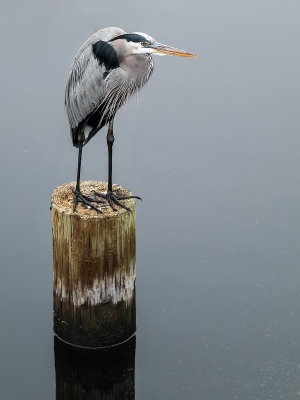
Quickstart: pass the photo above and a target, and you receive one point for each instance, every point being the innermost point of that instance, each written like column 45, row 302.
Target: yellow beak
column 172, row 51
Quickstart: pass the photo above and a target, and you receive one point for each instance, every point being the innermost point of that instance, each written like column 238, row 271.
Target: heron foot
column 112, row 199
column 86, row 200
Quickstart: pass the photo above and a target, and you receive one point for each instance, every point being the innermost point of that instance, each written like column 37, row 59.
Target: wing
column 86, row 86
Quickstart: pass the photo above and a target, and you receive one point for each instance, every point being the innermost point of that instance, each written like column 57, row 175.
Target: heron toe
column 113, row 198
column 86, row 201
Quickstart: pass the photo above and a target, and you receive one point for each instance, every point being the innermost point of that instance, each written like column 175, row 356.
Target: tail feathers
column 91, row 134
column 77, row 136
column 89, row 126
column 81, row 136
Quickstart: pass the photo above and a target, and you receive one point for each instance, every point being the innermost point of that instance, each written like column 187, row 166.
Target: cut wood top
column 62, row 199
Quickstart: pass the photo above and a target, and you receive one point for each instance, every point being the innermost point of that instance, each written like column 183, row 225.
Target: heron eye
column 144, row 44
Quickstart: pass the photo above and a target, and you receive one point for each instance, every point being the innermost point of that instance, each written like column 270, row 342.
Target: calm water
column 212, row 146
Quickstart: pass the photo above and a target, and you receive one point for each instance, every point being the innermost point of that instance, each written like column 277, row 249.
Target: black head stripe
column 105, row 54
column 131, row 37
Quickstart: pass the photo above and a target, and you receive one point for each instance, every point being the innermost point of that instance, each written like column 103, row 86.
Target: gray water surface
column 212, row 146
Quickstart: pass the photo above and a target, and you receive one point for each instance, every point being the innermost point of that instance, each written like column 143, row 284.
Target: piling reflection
column 106, row 374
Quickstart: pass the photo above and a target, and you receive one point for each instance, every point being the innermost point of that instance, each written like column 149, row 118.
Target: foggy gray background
column 212, row 146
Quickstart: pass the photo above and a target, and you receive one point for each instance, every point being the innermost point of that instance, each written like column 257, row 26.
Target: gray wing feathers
column 86, row 87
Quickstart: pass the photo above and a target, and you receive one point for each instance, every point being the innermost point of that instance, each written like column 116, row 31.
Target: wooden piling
column 94, row 269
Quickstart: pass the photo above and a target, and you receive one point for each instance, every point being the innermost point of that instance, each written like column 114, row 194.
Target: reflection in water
column 106, row 374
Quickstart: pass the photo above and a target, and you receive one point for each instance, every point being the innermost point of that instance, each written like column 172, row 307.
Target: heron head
column 141, row 43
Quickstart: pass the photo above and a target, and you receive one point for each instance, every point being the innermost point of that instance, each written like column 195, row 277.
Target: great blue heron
column 109, row 68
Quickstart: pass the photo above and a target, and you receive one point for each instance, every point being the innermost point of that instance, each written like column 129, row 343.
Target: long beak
column 172, row 51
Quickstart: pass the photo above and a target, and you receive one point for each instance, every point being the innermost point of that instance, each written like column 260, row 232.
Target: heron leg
column 110, row 141
column 78, row 196
column 77, row 189
column 110, row 196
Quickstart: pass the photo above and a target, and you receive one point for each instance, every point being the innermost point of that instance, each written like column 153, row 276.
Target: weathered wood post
column 94, row 269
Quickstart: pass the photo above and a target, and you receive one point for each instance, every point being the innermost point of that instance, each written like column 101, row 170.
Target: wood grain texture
column 94, row 269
